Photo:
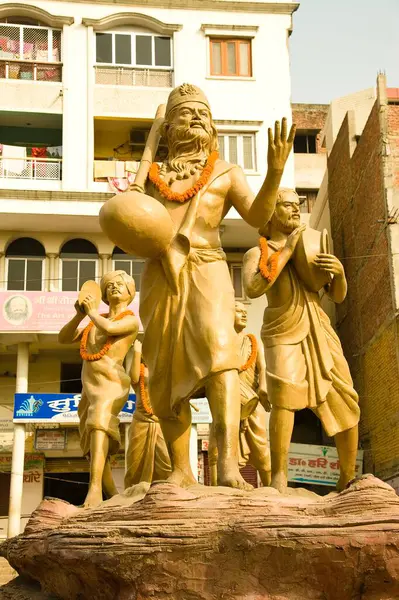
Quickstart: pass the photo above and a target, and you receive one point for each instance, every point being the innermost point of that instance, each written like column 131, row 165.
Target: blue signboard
column 57, row 408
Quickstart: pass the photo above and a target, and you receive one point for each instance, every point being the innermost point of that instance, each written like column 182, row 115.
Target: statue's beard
column 189, row 145
column 286, row 225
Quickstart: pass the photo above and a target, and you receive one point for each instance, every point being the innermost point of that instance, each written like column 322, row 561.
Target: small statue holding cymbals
column 104, row 344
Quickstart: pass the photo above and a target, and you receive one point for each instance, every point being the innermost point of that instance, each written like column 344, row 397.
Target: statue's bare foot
column 343, row 481
column 182, row 478
column 94, row 497
column 231, row 477
column 279, row 481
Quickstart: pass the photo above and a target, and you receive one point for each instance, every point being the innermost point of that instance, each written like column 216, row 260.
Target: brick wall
column 310, row 116
column 393, row 126
column 365, row 321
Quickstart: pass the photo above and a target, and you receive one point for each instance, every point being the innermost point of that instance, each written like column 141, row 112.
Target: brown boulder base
column 214, row 544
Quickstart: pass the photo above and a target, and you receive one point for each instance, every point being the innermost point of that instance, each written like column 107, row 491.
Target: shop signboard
column 46, row 312
column 33, row 466
column 318, row 465
column 63, row 409
column 57, row 408
column 50, row 439
column 200, row 411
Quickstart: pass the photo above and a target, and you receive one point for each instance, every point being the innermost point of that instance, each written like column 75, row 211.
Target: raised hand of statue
column 89, row 304
column 330, row 263
column 293, row 238
column 280, row 145
column 79, row 309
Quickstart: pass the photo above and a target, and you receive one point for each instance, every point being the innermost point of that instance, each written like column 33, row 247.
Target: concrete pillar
column 18, row 451
column 3, row 283
column 105, row 263
column 74, row 116
column 90, row 106
column 51, row 283
column 194, row 451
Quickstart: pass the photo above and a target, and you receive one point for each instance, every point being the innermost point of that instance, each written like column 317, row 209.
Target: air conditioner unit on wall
column 138, row 137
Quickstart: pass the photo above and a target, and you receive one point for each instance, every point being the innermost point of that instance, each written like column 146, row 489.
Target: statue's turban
column 129, row 282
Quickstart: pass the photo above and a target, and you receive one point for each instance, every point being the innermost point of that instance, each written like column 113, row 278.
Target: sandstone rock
column 215, row 544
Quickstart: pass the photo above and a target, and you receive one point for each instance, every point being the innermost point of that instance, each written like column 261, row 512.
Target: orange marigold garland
column 267, row 268
column 143, row 392
column 83, row 344
column 167, row 193
column 252, row 357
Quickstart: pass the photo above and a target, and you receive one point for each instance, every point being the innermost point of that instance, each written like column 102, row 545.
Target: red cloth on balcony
column 39, row 152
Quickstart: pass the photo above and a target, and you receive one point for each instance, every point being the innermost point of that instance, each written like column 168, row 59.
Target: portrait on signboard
column 17, row 309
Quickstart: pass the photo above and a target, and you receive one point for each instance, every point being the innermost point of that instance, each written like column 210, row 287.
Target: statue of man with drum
column 186, row 296
column 305, row 365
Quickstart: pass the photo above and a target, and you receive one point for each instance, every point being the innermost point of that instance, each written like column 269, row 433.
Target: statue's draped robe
column 188, row 336
column 305, row 365
column 253, row 447
column 105, row 389
column 147, row 457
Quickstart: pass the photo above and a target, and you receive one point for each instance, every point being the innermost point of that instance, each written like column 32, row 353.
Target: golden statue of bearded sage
column 186, row 295
column 305, row 365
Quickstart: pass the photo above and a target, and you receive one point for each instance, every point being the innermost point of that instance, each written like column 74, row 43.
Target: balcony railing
column 30, row 70
column 133, row 76
column 30, row 168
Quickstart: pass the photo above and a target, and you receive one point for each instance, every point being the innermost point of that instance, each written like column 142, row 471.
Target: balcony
column 30, row 168
column 113, row 75
column 30, row 70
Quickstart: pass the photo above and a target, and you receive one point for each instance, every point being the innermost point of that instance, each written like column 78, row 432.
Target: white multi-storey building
column 80, row 82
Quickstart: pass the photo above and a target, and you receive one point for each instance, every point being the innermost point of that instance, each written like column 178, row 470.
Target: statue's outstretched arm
column 259, row 210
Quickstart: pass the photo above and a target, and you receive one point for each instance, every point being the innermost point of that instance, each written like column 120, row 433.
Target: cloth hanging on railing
column 39, row 152
column 121, row 184
column 14, row 159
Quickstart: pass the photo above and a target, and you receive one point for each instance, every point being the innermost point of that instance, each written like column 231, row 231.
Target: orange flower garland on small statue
column 83, row 344
column 252, row 357
column 143, row 392
column 167, row 193
column 267, row 268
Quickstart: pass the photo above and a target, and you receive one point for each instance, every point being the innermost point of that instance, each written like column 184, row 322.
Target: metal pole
column 18, row 451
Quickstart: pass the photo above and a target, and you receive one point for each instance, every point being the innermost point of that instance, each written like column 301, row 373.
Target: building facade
column 359, row 203
column 80, row 85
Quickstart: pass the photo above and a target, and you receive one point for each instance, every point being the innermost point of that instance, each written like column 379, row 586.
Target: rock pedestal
column 213, row 544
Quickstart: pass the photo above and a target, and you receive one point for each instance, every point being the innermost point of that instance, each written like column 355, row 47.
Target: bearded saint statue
column 305, row 364
column 186, row 297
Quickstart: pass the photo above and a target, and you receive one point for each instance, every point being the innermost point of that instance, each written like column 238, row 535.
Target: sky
column 338, row 46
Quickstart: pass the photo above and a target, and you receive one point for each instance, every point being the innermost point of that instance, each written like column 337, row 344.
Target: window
column 79, row 264
column 134, row 49
column 239, row 149
column 308, row 199
column 305, row 143
column 25, row 258
column 131, row 264
column 29, row 48
column 230, row 57
column 236, row 278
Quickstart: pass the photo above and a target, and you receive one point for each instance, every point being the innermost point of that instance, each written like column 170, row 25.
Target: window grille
column 239, row 149
column 136, row 77
column 30, row 43
column 30, row 52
